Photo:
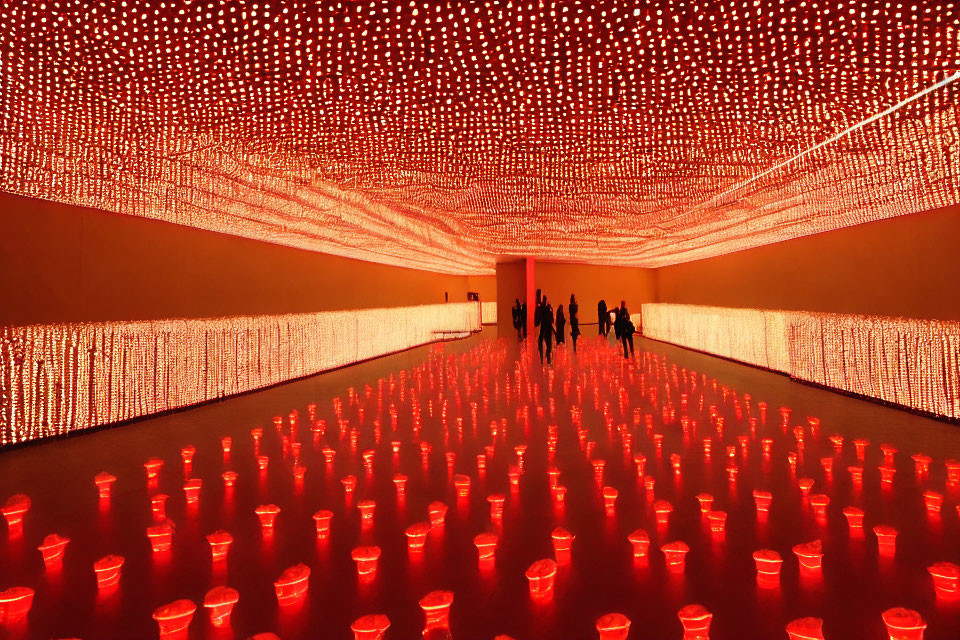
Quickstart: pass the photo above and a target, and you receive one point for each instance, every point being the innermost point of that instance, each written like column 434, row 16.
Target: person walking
column 561, row 325
column 545, row 320
column 574, row 309
column 517, row 324
column 625, row 330
column 602, row 317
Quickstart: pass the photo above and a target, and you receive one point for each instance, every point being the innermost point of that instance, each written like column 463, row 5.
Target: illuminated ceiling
column 442, row 134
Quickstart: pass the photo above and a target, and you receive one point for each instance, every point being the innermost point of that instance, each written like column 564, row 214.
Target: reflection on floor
column 464, row 486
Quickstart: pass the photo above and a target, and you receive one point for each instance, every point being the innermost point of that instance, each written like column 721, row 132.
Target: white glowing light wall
column 55, row 379
column 488, row 312
column 910, row 362
column 748, row 335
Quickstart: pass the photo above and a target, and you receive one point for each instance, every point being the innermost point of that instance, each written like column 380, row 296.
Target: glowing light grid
column 438, row 135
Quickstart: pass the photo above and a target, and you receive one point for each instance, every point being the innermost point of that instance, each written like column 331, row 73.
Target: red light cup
column 436, row 610
column 717, row 521
column 861, row 447
column 662, row 510
column 292, row 585
column 610, row 498
column 706, row 502
column 640, row 540
column 15, row 604
column 921, row 463
column 640, row 461
column 370, row 627
column 328, row 455
column 322, row 519
column 226, row 444
column 158, row 505
column 53, row 548
column 462, row 485
column 152, row 467
column 496, row 501
column 187, row 454
column 933, row 501
column 14, row 509
column 541, row 576
column 946, row 578
column 762, row 499
column 805, row 629
column 805, row 484
column 161, row 536
column 438, row 513
column 768, row 563
column 696, row 622
column 559, row 494
column 229, row 478
column 219, row 603
column 887, row 474
column 613, row 626
column 267, row 513
column 400, row 482
column 953, row 472
column 827, row 464
column 107, row 570
column 104, row 482
column 886, row 539
column 366, row 558
column 888, row 451
column 367, row 509
column 174, row 618
column 562, row 544
column 819, row 502
column 649, row 482
column 904, row 624
column 675, row 554
column 191, row 490
column 486, row 544
column 219, row 542
column 809, row 554
column 349, row 483
column 854, row 517
column 417, row 536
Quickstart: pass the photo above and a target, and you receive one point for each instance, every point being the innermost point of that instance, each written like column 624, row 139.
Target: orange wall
column 905, row 266
column 65, row 263
column 591, row 283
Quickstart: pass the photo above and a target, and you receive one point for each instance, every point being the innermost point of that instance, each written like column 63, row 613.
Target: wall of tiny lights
column 488, row 312
column 913, row 363
column 55, row 379
column 437, row 135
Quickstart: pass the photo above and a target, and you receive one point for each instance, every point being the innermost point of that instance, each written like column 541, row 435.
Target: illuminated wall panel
column 488, row 312
column 55, row 379
column 910, row 362
column 748, row 335
column 439, row 135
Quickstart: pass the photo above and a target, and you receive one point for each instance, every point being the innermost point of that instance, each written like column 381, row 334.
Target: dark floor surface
column 855, row 587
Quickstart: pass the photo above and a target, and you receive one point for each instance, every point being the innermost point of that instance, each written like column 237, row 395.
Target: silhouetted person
column 625, row 328
column 545, row 319
column 561, row 325
column 516, row 312
column 574, row 308
column 602, row 317
column 523, row 319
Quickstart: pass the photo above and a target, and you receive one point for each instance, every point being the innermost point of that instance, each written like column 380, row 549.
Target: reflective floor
column 623, row 411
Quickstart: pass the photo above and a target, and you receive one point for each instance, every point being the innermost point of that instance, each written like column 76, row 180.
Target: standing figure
column 515, row 312
column 523, row 319
column 626, row 329
column 574, row 308
column 561, row 325
column 602, row 317
column 545, row 320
